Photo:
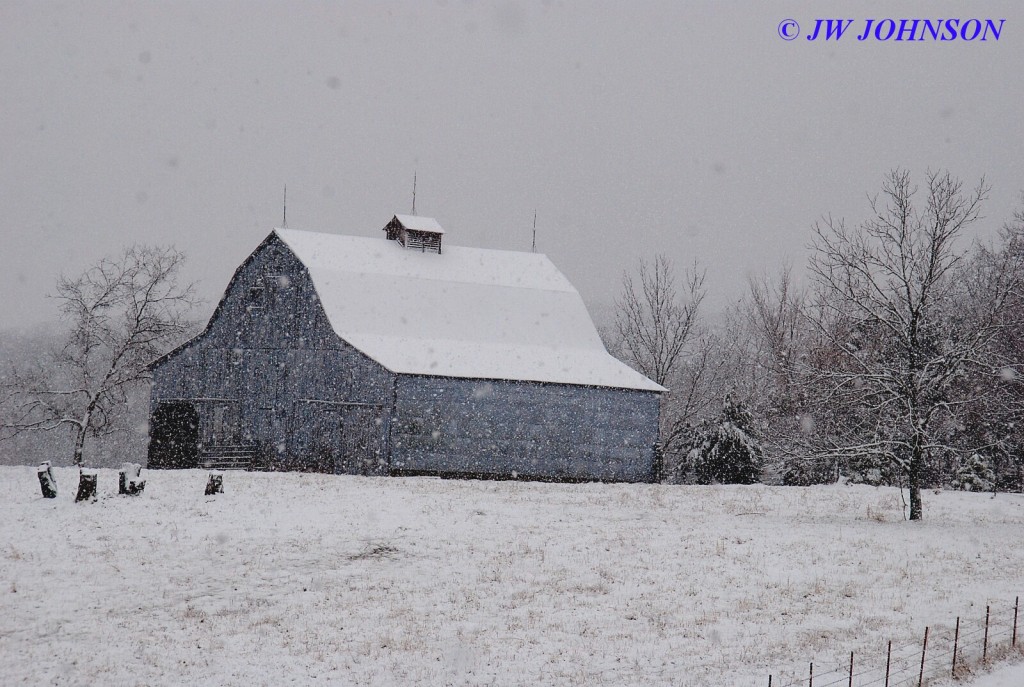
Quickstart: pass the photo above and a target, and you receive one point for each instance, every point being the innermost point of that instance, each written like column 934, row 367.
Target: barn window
column 276, row 286
column 257, row 296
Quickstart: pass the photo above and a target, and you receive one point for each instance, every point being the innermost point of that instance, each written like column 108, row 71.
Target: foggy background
column 689, row 129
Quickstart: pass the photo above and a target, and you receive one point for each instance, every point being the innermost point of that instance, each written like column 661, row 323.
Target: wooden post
column 769, row 681
column 924, row 650
column 984, row 650
column 810, row 680
column 851, row 669
column 956, row 643
column 888, row 662
column 215, row 485
column 1016, row 607
column 46, row 481
column 86, row 486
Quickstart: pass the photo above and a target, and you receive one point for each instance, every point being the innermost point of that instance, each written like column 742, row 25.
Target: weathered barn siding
column 275, row 362
column 500, row 428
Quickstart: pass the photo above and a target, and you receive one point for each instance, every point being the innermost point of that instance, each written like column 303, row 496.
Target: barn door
column 361, row 440
column 174, row 436
column 222, row 423
column 337, row 437
column 314, row 436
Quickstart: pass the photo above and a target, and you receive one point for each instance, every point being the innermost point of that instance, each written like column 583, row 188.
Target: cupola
column 415, row 232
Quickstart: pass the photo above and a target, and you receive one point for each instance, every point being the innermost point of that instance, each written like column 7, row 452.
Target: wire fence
column 942, row 652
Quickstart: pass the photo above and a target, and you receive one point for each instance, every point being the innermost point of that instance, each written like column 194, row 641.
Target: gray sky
column 688, row 128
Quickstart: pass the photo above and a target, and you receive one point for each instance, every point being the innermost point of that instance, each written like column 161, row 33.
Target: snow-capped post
column 86, row 486
column 46, row 481
column 128, row 482
column 215, row 485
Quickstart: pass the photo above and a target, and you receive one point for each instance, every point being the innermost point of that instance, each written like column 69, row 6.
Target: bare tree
column 122, row 314
column 696, row 387
column 655, row 325
column 889, row 312
column 654, row 318
column 780, row 343
column 774, row 314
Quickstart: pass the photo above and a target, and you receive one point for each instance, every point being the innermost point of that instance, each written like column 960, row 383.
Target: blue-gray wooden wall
column 276, row 358
column 273, row 359
column 498, row 428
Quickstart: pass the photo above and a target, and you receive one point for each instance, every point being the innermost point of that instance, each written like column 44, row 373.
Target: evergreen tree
column 726, row 449
column 974, row 474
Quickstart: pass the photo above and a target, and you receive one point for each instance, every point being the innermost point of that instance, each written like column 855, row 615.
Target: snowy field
column 1003, row 676
column 296, row 578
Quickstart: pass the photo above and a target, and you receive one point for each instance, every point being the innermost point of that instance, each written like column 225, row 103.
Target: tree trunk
column 659, row 463
column 46, row 481
column 86, row 486
column 79, row 443
column 83, row 428
column 915, row 470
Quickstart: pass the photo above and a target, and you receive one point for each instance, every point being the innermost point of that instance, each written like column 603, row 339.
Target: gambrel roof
column 469, row 312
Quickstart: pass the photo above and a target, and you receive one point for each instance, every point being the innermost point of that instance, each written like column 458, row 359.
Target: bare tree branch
column 654, row 320
column 123, row 313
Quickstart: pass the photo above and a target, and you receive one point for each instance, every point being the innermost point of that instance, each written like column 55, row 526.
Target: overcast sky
column 633, row 128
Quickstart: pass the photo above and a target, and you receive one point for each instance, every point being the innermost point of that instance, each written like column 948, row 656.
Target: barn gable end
column 268, row 373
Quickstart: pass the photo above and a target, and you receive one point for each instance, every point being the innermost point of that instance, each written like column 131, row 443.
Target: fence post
column 851, row 669
column 769, row 681
column 956, row 643
column 924, row 649
column 888, row 662
column 810, row 680
column 984, row 650
column 1016, row 607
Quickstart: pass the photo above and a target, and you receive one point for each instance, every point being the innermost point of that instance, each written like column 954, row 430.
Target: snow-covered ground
column 296, row 578
column 1005, row 676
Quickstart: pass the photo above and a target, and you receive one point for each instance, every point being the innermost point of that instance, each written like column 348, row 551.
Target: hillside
column 291, row 578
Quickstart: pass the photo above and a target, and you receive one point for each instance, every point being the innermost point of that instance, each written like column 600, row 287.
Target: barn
column 397, row 356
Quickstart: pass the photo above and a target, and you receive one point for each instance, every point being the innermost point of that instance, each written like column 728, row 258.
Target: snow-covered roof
column 468, row 312
column 417, row 223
